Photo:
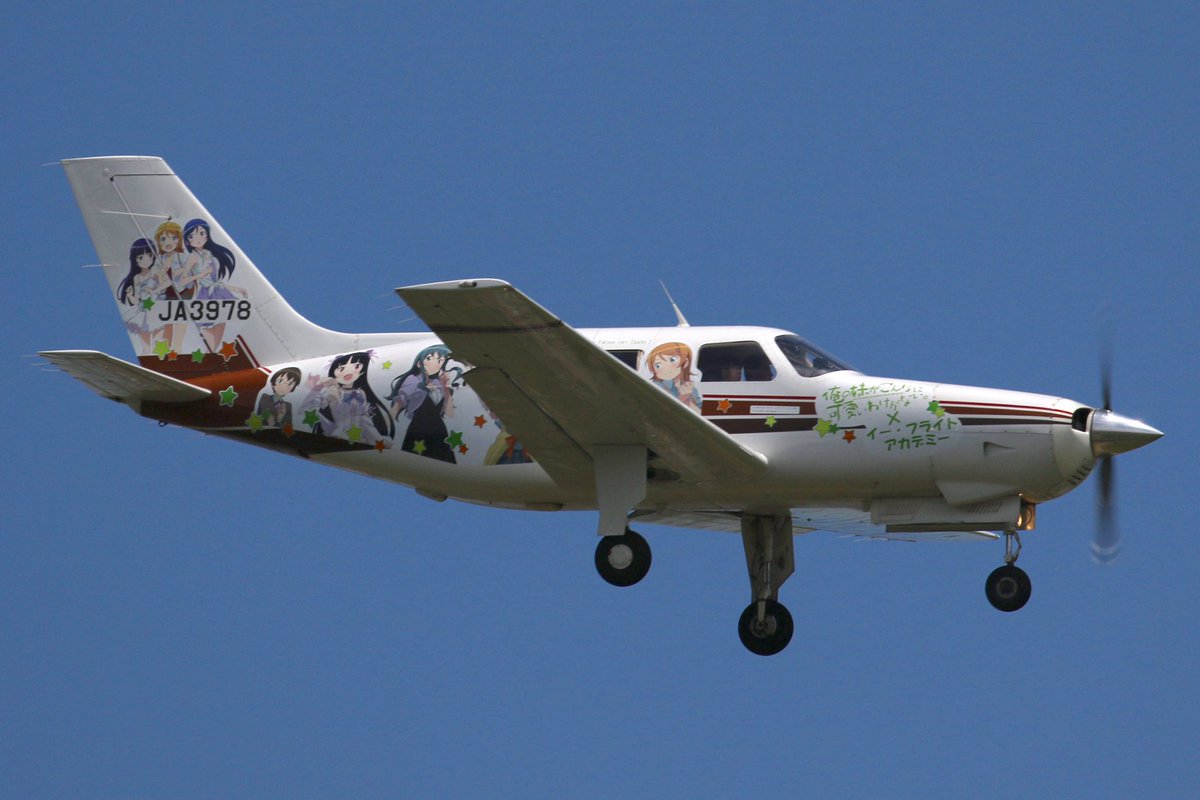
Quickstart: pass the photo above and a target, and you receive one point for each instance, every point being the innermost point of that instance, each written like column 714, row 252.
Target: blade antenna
column 683, row 323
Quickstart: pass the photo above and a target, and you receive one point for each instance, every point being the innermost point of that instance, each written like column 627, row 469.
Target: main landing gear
column 623, row 560
column 1008, row 587
column 765, row 627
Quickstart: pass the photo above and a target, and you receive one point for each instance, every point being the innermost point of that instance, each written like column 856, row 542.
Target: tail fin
column 191, row 300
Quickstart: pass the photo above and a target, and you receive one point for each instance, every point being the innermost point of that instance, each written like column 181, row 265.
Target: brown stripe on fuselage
column 759, row 424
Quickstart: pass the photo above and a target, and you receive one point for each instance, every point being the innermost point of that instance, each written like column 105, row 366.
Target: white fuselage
column 836, row 438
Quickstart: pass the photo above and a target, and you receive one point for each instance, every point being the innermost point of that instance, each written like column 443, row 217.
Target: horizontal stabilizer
column 119, row 380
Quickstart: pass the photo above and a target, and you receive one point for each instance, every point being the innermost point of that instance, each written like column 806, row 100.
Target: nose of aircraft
column 1113, row 434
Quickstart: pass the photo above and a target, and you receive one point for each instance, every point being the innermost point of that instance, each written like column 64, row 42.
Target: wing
column 561, row 395
column 119, row 380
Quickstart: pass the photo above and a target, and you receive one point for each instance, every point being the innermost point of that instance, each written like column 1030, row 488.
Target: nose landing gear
column 1008, row 587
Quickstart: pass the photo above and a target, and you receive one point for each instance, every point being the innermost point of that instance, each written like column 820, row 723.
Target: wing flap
column 119, row 380
column 560, row 392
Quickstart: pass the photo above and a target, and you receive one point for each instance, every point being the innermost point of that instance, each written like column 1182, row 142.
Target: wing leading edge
column 563, row 396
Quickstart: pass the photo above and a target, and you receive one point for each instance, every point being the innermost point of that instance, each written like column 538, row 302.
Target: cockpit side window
column 735, row 361
column 627, row 357
column 808, row 360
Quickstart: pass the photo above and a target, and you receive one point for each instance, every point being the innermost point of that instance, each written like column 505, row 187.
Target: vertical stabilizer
column 190, row 299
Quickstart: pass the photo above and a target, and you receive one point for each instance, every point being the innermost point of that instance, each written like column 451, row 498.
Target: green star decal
column 311, row 419
column 387, row 365
column 770, row 422
column 419, row 446
column 255, row 422
column 161, row 348
column 197, row 356
column 454, row 439
column 354, row 434
column 228, row 396
column 825, row 427
column 936, row 409
column 148, row 303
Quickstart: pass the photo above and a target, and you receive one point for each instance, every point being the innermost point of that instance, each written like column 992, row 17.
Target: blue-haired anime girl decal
column 346, row 406
column 146, row 284
column 426, row 396
column 205, row 271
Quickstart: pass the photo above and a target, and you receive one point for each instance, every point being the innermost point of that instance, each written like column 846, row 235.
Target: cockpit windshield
column 808, row 360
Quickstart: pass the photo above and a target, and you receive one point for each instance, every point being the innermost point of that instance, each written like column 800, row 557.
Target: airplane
column 748, row 430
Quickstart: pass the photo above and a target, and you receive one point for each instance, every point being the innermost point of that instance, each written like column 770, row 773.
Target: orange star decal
column 288, row 430
column 724, row 405
column 228, row 350
column 171, row 356
column 480, row 422
column 379, row 445
column 848, row 436
column 462, row 449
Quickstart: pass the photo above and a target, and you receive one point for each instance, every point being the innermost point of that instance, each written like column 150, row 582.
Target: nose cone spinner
column 1113, row 434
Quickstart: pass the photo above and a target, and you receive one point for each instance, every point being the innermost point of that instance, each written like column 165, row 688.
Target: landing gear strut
column 1008, row 587
column 765, row 627
column 623, row 560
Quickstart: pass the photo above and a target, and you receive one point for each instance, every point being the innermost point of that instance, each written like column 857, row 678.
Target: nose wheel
column 1008, row 587
column 623, row 560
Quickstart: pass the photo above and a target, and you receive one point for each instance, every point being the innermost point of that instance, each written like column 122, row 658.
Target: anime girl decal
column 146, row 284
column 168, row 239
column 208, row 265
column 671, row 370
column 426, row 396
column 345, row 406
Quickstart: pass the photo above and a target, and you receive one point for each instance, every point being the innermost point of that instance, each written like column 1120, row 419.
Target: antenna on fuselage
column 683, row 323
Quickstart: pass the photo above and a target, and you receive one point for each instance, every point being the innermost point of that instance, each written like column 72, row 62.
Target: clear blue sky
column 928, row 191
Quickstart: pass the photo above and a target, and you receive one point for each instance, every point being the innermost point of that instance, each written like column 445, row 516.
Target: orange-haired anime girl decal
column 670, row 367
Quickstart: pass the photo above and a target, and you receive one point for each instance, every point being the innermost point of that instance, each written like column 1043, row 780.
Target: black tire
column 773, row 635
column 623, row 560
column 1008, row 588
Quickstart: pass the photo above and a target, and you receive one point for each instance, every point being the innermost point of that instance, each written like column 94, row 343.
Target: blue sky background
column 928, row 191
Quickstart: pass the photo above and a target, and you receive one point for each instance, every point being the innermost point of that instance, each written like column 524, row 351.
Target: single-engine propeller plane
column 748, row 430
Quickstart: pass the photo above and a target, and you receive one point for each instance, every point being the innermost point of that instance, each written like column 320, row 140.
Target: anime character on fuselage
column 207, row 267
column 272, row 407
column 425, row 394
column 345, row 405
column 670, row 367
column 506, row 449
column 146, row 284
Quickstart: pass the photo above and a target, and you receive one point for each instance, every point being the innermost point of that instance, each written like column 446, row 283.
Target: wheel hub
column 1007, row 588
column 620, row 557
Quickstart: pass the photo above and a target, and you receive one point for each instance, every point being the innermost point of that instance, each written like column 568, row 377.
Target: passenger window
column 627, row 357
column 736, row 361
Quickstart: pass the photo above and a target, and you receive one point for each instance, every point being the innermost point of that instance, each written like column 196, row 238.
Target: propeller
column 1106, row 539
column 1111, row 435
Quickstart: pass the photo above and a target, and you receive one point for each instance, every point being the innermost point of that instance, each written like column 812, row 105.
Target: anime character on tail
column 146, row 284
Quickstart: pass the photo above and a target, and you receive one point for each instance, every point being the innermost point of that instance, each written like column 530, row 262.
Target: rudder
column 190, row 299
